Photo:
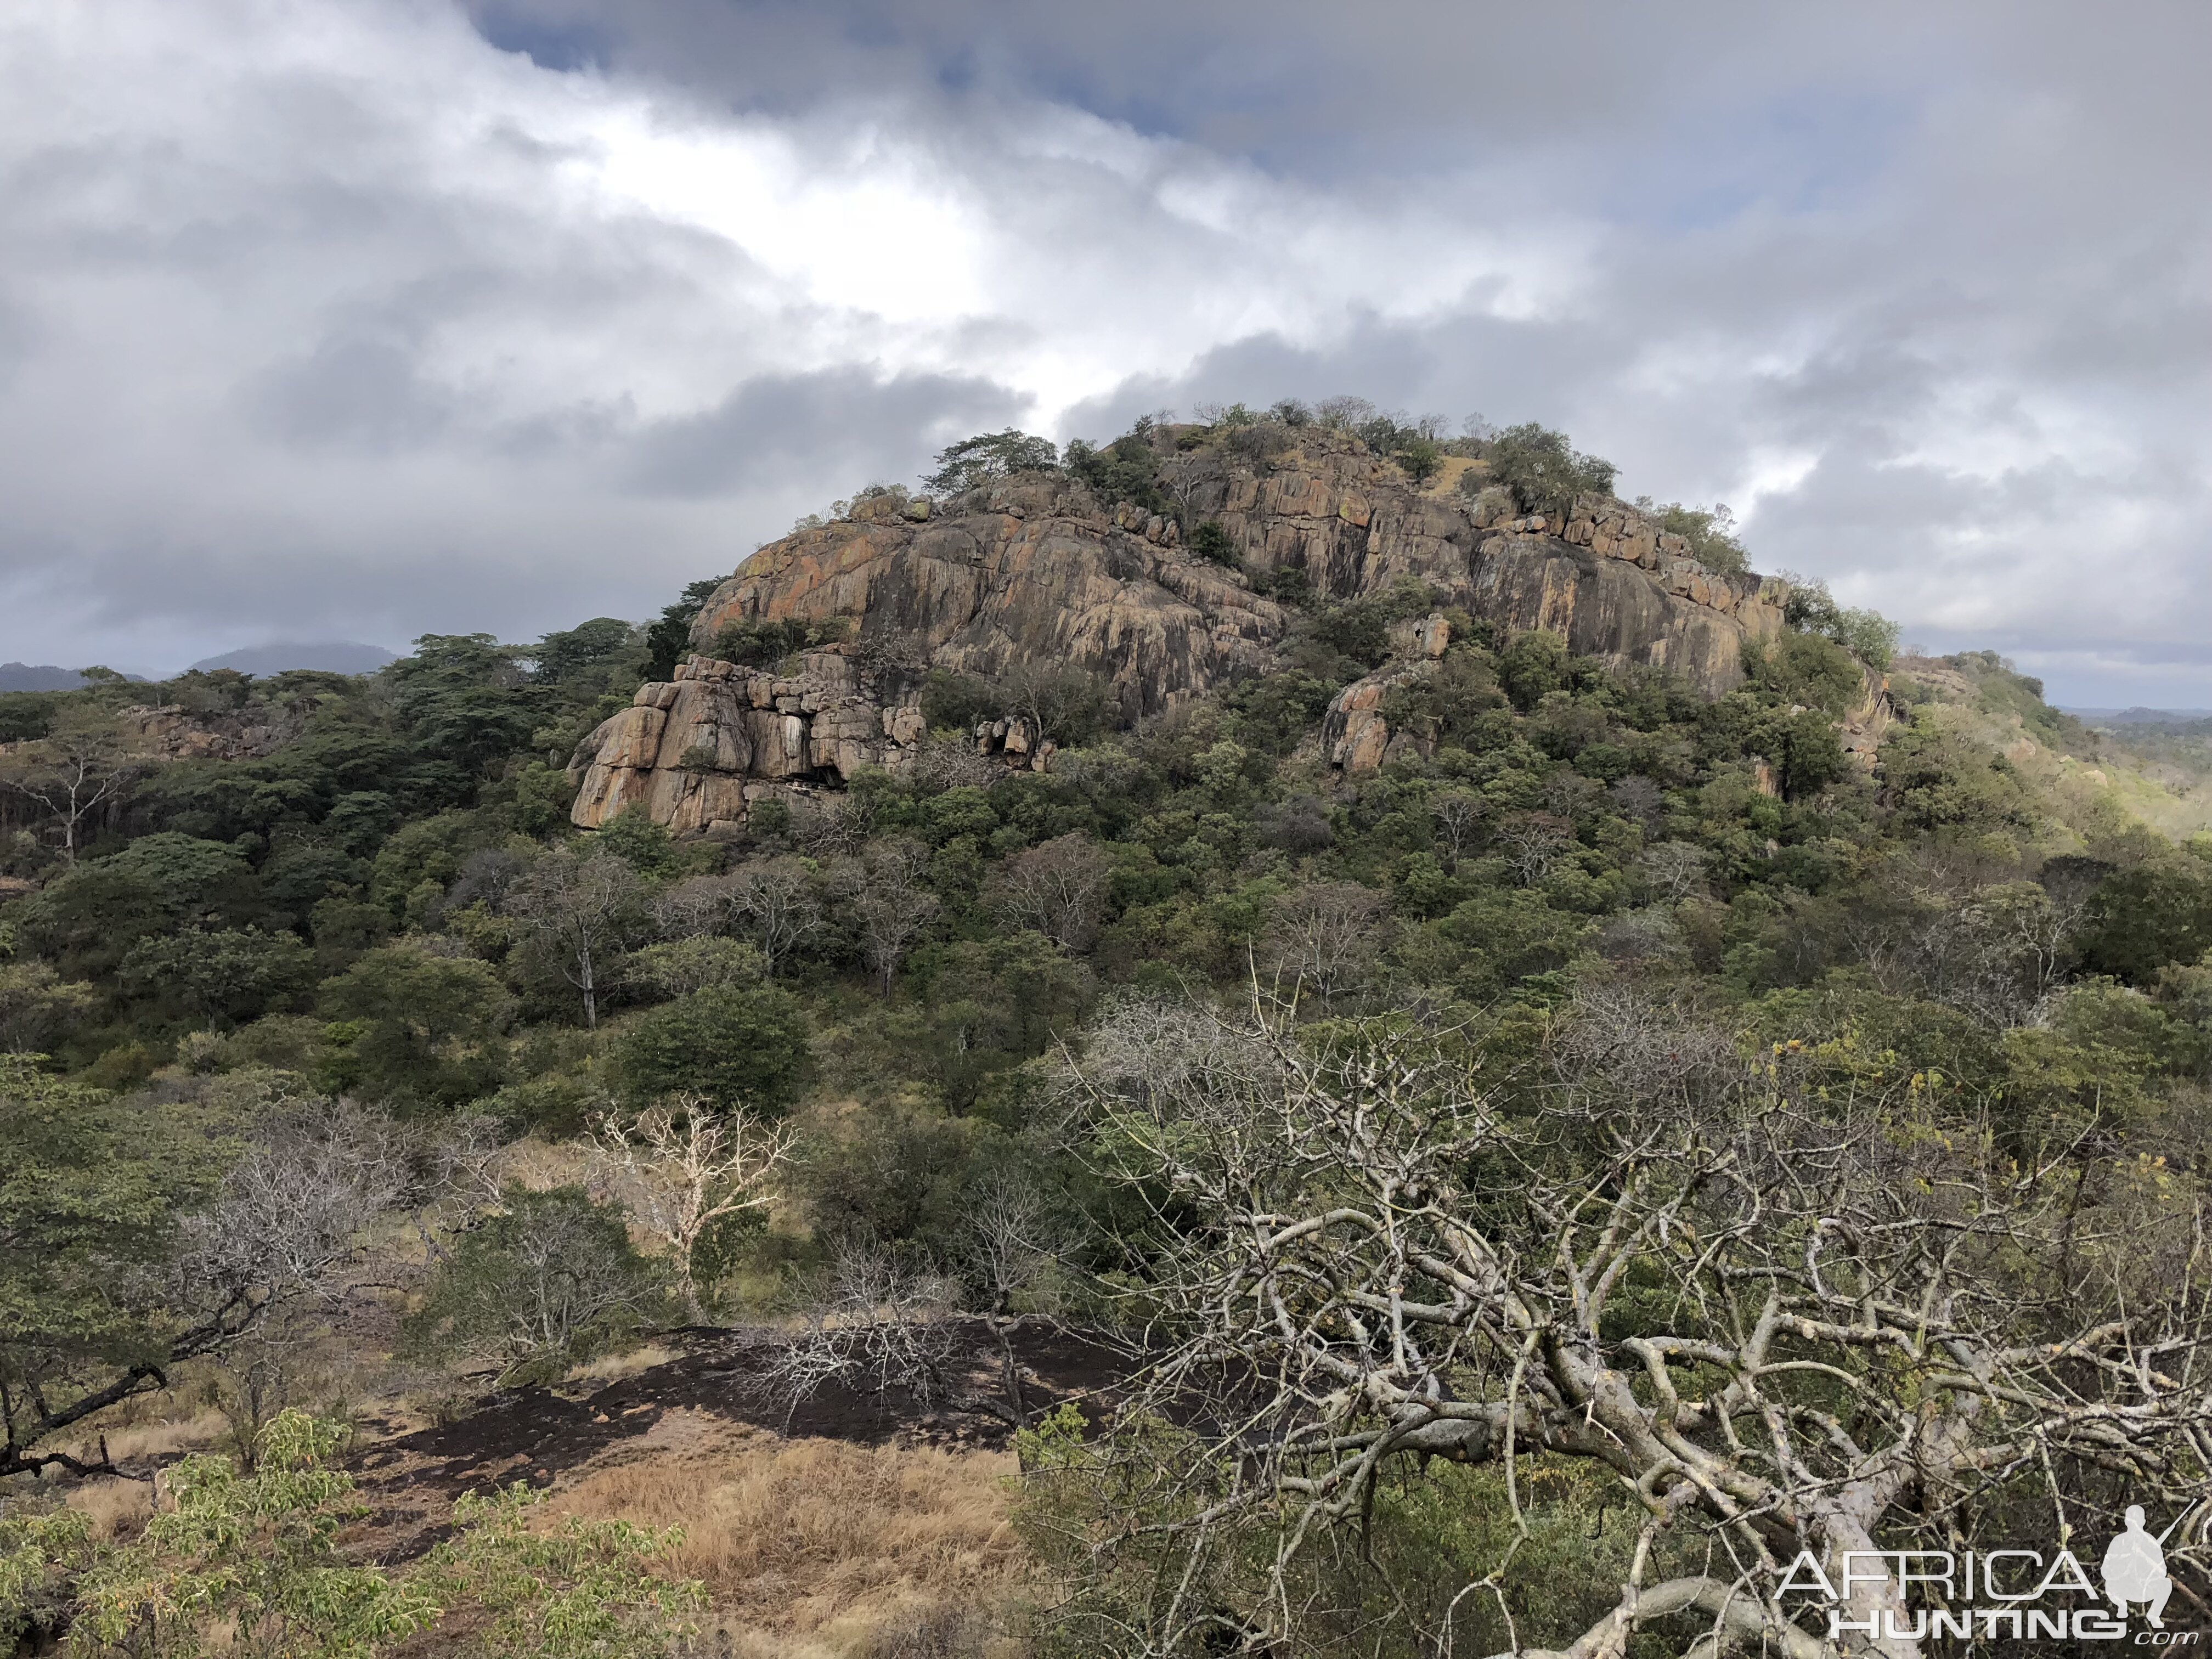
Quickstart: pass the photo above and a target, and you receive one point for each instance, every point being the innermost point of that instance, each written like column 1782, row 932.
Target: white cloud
column 324, row 316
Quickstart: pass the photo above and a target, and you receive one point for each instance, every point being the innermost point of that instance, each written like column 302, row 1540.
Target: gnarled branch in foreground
column 1785, row 1315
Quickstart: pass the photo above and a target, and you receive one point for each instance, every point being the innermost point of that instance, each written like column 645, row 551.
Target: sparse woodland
column 1526, row 1194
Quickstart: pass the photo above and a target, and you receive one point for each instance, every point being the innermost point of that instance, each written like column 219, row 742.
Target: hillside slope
column 1043, row 571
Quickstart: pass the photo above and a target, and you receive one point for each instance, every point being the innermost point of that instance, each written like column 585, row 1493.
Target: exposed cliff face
column 1032, row 570
column 1038, row 570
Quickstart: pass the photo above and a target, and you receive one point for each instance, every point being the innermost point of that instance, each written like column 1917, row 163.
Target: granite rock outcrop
column 1037, row 570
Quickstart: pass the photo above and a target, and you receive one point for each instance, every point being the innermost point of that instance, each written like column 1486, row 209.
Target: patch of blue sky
column 563, row 48
column 1810, row 152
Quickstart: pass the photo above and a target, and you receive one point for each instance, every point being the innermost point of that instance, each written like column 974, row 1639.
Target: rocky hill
column 1040, row 569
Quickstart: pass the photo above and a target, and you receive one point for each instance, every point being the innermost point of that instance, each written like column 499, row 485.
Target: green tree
column 739, row 1046
column 988, row 456
column 2138, row 922
column 84, row 762
column 1127, row 470
column 464, row 705
column 37, row 1006
column 1710, row 530
column 417, row 1028
column 1543, row 471
column 88, row 920
column 1533, row 664
column 1867, row 634
column 91, row 1188
column 669, row 637
column 579, row 909
column 225, row 974
column 582, row 662
column 258, row 1553
column 548, row 1280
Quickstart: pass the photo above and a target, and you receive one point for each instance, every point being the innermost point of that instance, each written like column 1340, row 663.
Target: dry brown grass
column 809, row 1547
column 613, row 1367
column 119, row 1509
column 138, row 1433
column 541, row 1165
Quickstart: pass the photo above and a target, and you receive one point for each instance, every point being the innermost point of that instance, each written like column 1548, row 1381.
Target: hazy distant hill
column 38, row 677
column 2140, row 716
column 335, row 657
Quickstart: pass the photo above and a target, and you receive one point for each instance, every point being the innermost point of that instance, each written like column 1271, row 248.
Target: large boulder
column 1037, row 570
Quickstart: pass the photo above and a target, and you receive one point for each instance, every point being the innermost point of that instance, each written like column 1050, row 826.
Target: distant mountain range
column 331, row 657
column 38, row 677
column 2141, row 716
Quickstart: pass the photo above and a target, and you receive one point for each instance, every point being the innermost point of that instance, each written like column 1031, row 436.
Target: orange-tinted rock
column 1036, row 570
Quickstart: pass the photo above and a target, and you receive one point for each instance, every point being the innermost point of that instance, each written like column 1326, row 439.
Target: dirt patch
column 537, row 1436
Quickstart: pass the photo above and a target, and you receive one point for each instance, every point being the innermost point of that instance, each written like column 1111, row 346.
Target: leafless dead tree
column 1057, row 888
column 680, row 1168
column 949, row 760
column 1534, row 843
column 1015, row 1246
column 828, row 826
column 695, row 908
column 878, row 1325
column 772, row 902
column 280, row 1238
column 1323, row 936
column 279, row 1244
column 1787, row 1316
column 1675, row 869
column 893, row 908
column 1459, row 814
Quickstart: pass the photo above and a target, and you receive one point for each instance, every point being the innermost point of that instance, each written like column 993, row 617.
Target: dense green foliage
column 388, row 903
column 1544, row 472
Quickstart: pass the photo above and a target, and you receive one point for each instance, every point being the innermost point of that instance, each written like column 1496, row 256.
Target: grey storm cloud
column 381, row 317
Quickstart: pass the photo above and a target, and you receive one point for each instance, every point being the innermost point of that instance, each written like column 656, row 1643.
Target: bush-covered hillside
column 332, row 1050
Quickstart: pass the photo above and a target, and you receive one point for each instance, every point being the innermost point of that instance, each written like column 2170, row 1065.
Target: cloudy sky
column 358, row 318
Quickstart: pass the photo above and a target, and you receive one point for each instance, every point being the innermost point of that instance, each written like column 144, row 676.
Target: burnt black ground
column 537, row 1435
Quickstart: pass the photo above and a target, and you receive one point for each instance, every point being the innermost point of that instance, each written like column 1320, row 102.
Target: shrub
column 957, row 703
column 547, row 1281
column 1710, row 532
column 1211, row 542
column 1127, row 470
column 1421, row 457
column 1867, row 634
column 987, row 456
column 1064, row 703
column 755, row 642
column 737, row 1045
column 1543, row 471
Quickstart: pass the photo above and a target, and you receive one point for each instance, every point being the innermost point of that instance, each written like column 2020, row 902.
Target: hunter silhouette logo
column 2135, row 1569
column 2023, row 1594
